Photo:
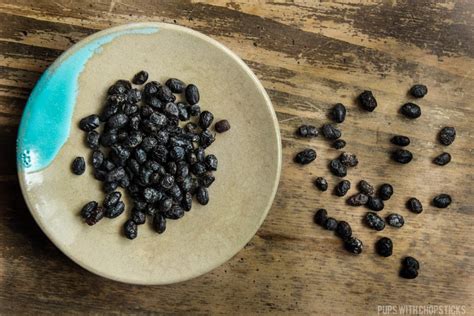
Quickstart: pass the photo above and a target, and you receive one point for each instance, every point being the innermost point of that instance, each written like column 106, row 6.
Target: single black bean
column 165, row 95
column 108, row 138
column 117, row 121
column 92, row 140
column 402, row 156
column 354, row 245
column 151, row 88
column 321, row 184
column 187, row 202
column 194, row 110
column 442, row 159
column 330, row 224
column 385, row 191
column 211, row 162
column 411, row 110
column 175, row 85
column 151, row 195
column 342, row 188
column 344, row 230
column 384, row 247
column 206, row 138
column 78, row 166
column 119, row 87
column 140, row 77
column 411, row 263
column 138, row 217
column 442, row 200
column 418, row 90
column 375, row 204
column 100, row 174
column 358, row 199
column 447, row 135
column 339, row 144
column 395, row 220
column 205, row 119
column 96, row 215
column 206, row 180
column 365, row 187
column 175, row 212
column 306, row 156
column 374, row 221
column 400, row 140
column 330, row 131
column 414, row 205
column 112, row 199
column 337, row 168
column 307, row 131
column 348, row 159
column 192, row 94
column 320, row 217
column 88, row 208
column 222, row 126
column 367, row 101
column 115, row 211
column 159, row 223
column 338, row 112
column 97, row 158
column 89, row 123
column 130, row 229
column 202, row 195
column 133, row 96
column 115, row 174
column 171, row 110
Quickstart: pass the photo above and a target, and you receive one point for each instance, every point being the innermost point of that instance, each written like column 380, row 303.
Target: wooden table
column 309, row 56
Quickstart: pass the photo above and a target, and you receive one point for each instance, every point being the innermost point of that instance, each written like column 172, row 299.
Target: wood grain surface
column 308, row 55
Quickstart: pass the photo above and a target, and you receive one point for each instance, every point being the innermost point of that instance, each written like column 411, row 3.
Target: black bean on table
column 337, row 168
column 418, row 91
column 442, row 200
column 306, row 156
column 411, row 110
column 358, row 199
column 411, row 262
column 414, row 205
column 206, row 138
column 119, row 87
column 205, row 180
column 307, row 131
column 344, row 230
column 339, row 144
column 410, row 267
column 78, row 166
column 192, row 94
column 222, row 126
column 89, row 123
column 330, row 223
column 354, row 245
column 134, row 96
column 338, row 113
column 330, row 132
column 165, row 95
column 140, row 77
column 367, row 101
column 194, row 110
column 115, row 211
column 342, row 188
column 365, row 188
column 321, row 184
column 442, row 159
column 385, row 191
column 374, row 221
column 175, row 85
column 348, row 159
column 384, row 247
column 375, row 203
column 138, row 217
column 211, row 162
column 402, row 156
column 175, row 212
column 400, row 140
column 447, row 135
column 395, row 220
column 92, row 140
column 159, row 223
column 111, row 199
column 95, row 216
column 320, row 216
column 205, row 119
column 88, row 208
column 130, row 229
column 202, row 195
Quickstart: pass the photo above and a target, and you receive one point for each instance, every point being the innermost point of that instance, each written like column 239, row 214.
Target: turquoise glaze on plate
column 46, row 121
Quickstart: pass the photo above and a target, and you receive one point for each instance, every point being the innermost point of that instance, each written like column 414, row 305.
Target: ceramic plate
column 75, row 86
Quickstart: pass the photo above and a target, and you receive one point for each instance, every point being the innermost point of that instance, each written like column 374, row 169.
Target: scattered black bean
column 115, row 211
column 411, row 110
column 337, row 168
column 205, row 119
column 321, row 184
column 222, row 126
column 374, row 221
column 306, row 156
column 365, row 188
column 411, row 262
column 78, row 166
column 88, row 208
column 400, row 140
column 375, row 204
column 342, row 188
column 140, row 78
column 330, row 224
column 344, row 230
column 307, row 131
column 447, row 135
column 89, row 123
column 442, row 200
column 395, row 220
column 192, row 94
column 354, row 245
column 95, row 216
column 339, row 144
column 138, row 217
column 358, row 199
column 410, row 267
column 385, row 191
column 111, row 199
column 338, row 113
column 348, row 159
column 384, row 247
column 97, row 158
column 320, row 217
column 159, row 223
column 442, row 159
column 175, row 85
column 202, row 195
column 414, row 205
column 130, row 229
column 402, row 156
column 367, row 101
column 419, row 90
column 330, row 131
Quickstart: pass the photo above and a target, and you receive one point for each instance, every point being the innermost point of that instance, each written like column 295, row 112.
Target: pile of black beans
column 150, row 146
column 367, row 195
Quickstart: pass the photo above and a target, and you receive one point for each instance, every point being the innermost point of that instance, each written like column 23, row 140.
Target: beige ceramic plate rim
column 268, row 103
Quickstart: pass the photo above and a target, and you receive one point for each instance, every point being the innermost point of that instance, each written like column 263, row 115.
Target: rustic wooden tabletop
column 308, row 55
